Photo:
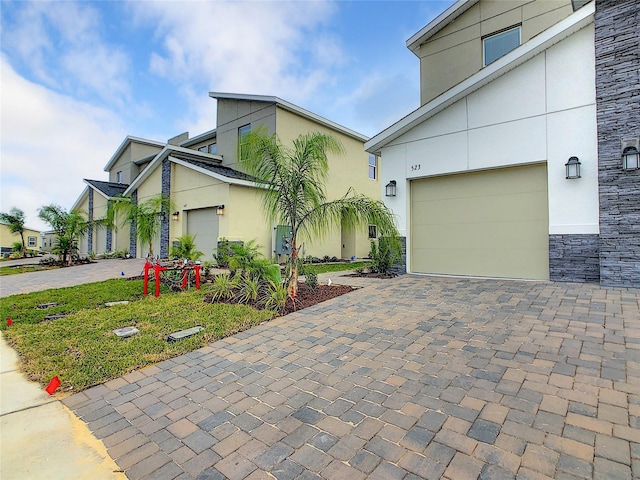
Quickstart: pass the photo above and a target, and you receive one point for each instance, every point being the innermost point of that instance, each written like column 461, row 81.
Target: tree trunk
column 24, row 247
column 293, row 278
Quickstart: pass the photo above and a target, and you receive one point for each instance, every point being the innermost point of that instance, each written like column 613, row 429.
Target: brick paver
column 414, row 377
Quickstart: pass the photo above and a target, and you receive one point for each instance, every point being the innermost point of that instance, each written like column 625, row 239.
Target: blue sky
column 77, row 77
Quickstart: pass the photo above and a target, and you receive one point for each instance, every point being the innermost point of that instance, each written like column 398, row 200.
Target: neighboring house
column 7, row 239
column 514, row 94
column 213, row 198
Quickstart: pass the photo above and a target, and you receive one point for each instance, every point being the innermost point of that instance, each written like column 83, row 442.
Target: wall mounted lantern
column 391, row 189
column 573, row 167
column 630, row 158
column 220, row 209
column 161, row 216
column 175, row 216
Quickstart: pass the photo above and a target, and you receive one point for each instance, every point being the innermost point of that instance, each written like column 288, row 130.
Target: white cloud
column 49, row 143
column 62, row 45
column 269, row 48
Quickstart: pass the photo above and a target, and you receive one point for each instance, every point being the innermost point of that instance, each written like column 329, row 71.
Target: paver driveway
column 416, row 377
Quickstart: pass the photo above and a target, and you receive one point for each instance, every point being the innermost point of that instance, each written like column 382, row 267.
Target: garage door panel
column 503, row 232
column 203, row 224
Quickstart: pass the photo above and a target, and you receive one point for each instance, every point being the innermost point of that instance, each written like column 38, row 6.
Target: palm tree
column 293, row 186
column 69, row 227
column 15, row 221
column 146, row 216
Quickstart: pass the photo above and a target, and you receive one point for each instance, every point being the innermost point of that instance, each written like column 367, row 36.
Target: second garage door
column 492, row 223
column 203, row 223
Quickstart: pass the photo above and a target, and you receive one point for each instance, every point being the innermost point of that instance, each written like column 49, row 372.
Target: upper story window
column 242, row 134
column 373, row 167
column 373, row 231
column 499, row 44
column 119, row 177
column 203, row 149
column 213, row 148
column 31, row 241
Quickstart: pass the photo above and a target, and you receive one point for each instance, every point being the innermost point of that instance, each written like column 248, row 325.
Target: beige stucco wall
column 455, row 52
column 7, row 239
column 151, row 187
column 124, row 163
column 244, row 218
column 192, row 190
column 350, row 169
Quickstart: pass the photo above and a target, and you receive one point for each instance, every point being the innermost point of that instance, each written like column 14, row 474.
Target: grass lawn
column 13, row 270
column 318, row 268
column 82, row 349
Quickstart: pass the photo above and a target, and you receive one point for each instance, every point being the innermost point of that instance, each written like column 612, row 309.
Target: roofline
column 217, row 176
column 438, row 23
column 25, row 227
column 199, row 138
column 292, row 108
column 161, row 155
column 127, row 140
column 533, row 47
column 80, row 197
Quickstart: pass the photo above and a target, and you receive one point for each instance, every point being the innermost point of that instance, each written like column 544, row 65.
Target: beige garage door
column 492, row 223
column 203, row 223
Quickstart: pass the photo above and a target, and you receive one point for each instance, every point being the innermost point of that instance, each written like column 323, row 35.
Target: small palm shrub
column 185, row 247
column 223, row 287
column 274, row 296
column 311, row 280
column 249, row 287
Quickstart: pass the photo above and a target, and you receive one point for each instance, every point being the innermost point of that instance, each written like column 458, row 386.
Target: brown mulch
column 372, row 275
column 305, row 298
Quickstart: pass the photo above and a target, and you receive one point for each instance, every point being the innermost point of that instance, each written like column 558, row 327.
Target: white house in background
column 480, row 169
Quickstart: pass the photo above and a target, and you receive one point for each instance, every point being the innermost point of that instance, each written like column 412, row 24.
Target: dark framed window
column 373, row 231
column 213, row 148
column 499, row 44
column 203, row 149
column 31, row 241
column 119, row 177
column 242, row 135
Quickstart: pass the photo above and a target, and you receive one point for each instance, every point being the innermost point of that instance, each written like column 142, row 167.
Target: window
column 373, row 167
column 31, row 241
column 373, row 231
column 203, row 149
column 119, row 177
column 499, row 44
column 213, row 148
column 242, row 134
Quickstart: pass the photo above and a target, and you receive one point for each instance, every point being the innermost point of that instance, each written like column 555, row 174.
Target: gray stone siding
column 617, row 50
column 574, row 258
column 133, row 237
column 400, row 267
column 90, row 232
column 164, row 226
column 109, row 239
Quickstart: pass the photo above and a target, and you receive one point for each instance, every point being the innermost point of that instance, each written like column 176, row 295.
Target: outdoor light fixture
column 175, row 216
column 161, row 216
column 573, row 167
column 220, row 209
column 391, row 189
column 630, row 158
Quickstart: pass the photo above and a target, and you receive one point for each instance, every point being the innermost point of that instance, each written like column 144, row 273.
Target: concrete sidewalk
column 39, row 437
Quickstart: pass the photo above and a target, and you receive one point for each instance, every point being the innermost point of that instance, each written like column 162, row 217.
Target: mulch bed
column 305, row 298
column 372, row 275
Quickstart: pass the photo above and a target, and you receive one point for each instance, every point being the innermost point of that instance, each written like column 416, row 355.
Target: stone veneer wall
column 109, row 239
column 574, row 258
column 133, row 237
column 166, row 191
column 617, row 49
column 90, row 232
column 400, row 267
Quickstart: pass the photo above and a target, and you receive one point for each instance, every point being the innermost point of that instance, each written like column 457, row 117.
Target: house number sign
column 416, row 167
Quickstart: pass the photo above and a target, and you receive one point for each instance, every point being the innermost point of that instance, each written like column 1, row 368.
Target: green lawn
column 318, row 268
column 82, row 349
column 13, row 270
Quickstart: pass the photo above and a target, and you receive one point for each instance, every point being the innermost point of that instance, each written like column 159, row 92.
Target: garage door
column 203, row 223
column 492, row 223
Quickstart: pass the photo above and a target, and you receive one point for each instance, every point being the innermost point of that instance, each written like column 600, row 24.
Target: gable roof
column 438, row 23
column 125, row 143
column 291, row 108
column 199, row 138
column 533, row 47
column 107, row 189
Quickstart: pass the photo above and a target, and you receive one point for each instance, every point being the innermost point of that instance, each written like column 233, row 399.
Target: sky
column 77, row 77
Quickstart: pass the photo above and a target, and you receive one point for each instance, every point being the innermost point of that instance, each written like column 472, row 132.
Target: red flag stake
column 53, row 385
column 9, row 322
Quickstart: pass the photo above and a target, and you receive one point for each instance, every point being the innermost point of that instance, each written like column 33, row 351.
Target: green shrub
column 384, row 254
column 274, row 296
column 185, row 247
column 311, row 279
column 223, row 287
column 249, row 287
